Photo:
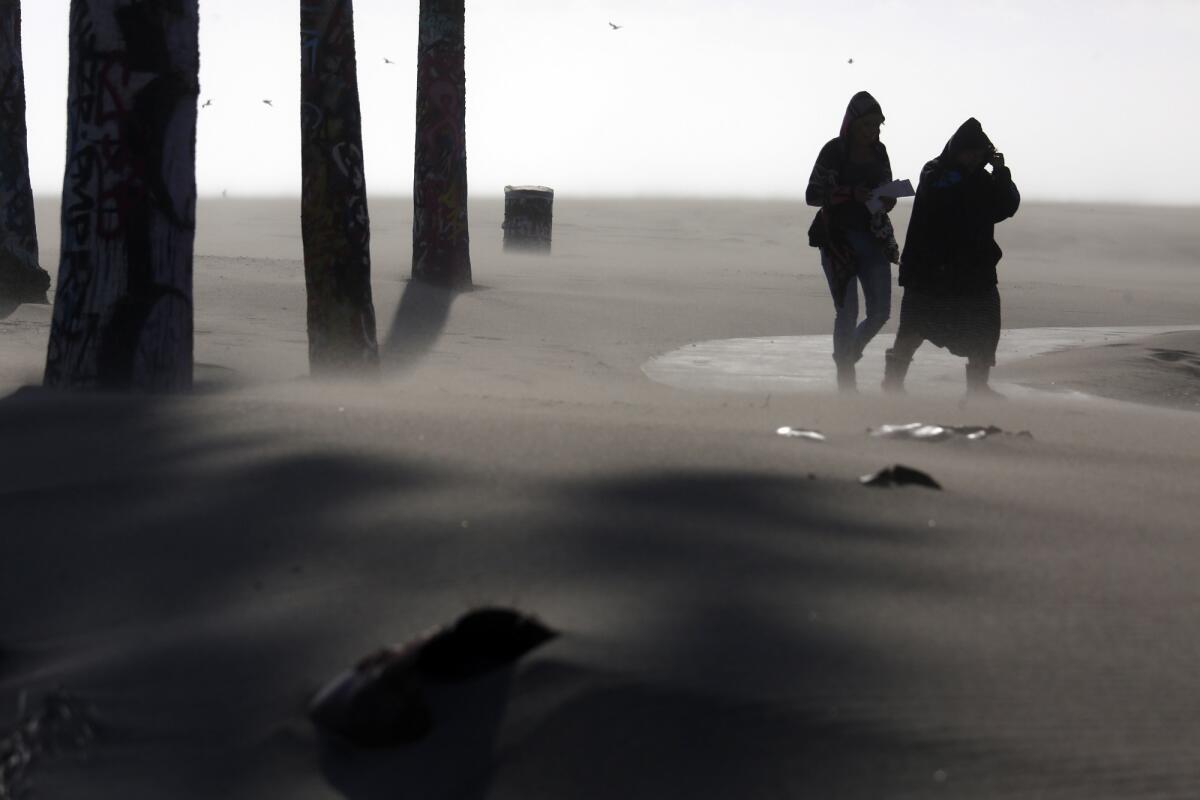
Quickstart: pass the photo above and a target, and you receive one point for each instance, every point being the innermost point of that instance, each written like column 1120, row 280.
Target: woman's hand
column 888, row 203
column 862, row 194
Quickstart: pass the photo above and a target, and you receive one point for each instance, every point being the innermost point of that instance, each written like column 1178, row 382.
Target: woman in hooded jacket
column 857, row 244
column 948, row 269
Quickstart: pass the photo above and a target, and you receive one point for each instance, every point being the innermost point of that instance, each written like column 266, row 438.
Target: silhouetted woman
column 948, row 269
column 857, row 245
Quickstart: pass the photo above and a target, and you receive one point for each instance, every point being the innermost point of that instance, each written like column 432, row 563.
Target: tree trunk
column 337, row 228
column 441, row 247
column 22, row 280
column 123, row 308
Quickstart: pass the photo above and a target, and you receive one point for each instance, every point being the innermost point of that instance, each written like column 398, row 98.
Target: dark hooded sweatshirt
column 833, row 179
column 950, row 249
column 831, row 186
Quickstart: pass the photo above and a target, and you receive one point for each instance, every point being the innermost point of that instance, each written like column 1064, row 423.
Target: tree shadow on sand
column 454, row 760
column 598, row 735
column 8, row 306
column 227, row 573
column 161, row 570
column 697, row 712
column 418, row 324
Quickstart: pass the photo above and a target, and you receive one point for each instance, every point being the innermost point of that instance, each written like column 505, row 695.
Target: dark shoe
column 977, row 382
column 894, row 371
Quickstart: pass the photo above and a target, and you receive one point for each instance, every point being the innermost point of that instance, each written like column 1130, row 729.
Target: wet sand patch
column 798, row 364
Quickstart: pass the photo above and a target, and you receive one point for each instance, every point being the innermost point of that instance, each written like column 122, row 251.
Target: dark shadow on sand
column 419, row 322
column 455, row 760
column 151, row 515
column 694, row 536
column 116, row 484
column 120, row 500
column 13, row 297
column 615, row 737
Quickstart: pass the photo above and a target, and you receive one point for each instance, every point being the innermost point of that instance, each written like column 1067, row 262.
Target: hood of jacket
column 861, row 105
column 969, row 136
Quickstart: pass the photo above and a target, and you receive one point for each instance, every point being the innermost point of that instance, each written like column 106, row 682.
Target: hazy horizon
column 694, row 99
column 42, row 196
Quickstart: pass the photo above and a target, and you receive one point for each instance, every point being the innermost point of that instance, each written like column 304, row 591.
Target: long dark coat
column 950, row 249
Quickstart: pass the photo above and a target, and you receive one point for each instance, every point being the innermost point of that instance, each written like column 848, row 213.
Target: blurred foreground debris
column 381, row 700
column 61, row 724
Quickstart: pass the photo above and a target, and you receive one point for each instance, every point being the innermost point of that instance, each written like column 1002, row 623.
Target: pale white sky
column 1089, row 100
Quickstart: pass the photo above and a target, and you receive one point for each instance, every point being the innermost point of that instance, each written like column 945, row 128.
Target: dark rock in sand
column 481, row 641
column 381, row 700
column 377, row 702
column 899, row 475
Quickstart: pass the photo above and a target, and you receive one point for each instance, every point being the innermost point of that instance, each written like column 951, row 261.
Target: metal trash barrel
column 528, row 218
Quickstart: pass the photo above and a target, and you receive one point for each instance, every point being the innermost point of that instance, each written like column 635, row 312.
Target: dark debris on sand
column 61, row 724
column 381, row 700
column 787, row 431
column 899, row 475
column 922, row 432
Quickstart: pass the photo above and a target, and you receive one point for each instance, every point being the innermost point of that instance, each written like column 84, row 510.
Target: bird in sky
column 207, row 103
column 269, row 103
column 387, row 60
column 850, row 61
column 615, row 27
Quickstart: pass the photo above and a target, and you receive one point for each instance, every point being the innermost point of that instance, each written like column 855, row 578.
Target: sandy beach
column 590, row 437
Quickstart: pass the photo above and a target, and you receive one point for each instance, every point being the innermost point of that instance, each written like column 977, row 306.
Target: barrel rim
column 543, row 190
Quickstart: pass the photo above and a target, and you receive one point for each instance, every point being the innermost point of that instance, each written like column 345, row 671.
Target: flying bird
column 207, row 103
column 269, row 103
column 615, row 27
column 387, row 60
column 850, row 61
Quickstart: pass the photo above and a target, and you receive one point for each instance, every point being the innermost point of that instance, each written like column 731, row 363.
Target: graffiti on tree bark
column 123, row 309
column 335, row 220
column 441, row 245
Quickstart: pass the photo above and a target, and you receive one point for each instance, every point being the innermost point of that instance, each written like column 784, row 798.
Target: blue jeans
column 850, row 336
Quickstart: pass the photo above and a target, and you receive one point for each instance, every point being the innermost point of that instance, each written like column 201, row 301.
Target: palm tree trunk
column 123, row 307
column 441, row 246
column 22, row 280
column 336, row 226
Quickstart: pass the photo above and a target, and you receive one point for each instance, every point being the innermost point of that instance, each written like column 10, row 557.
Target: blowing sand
column 740, row 618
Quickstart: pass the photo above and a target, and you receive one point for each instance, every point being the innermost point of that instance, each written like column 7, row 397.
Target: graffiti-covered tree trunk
column 337, row 228
column 441, row 247
column 22, row 280
column 123, row 307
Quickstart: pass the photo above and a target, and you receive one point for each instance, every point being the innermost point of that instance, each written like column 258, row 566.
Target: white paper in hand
column 902, row 188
